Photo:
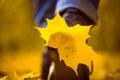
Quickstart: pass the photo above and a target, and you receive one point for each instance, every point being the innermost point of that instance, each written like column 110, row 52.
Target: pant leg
column 86, row 6
column 44, row 9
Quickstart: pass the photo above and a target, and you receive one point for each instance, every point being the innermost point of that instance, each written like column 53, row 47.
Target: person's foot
column 73, row 16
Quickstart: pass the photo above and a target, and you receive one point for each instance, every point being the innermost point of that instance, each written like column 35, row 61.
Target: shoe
column 73, row 16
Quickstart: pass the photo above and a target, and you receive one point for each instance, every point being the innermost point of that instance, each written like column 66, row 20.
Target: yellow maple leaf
column 71, row 43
